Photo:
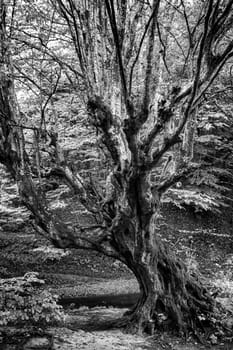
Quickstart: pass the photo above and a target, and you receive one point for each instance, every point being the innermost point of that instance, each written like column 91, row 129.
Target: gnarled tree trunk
column 166, row 287
column 167, row 290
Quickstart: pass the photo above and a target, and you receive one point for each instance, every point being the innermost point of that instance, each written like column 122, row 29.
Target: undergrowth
column 24, row 302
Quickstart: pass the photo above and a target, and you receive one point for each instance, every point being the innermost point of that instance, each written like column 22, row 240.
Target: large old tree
column 122, row 56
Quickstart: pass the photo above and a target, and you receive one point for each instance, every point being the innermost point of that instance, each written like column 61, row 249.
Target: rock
column 38, row 343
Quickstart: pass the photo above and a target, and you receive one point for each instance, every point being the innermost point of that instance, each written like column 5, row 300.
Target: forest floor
column 204, row 242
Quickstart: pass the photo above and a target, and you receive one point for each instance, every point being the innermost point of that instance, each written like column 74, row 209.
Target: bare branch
column 118, row 45
column 174, row 138
column 42, row 121
column 73, row 31
column 187, row 22
column 12, row 16
column 62, row 63
column 139, row 47
column 26, row 77
column 77, row 184
column 143, row 115
column 163, row 49
column 212, row 78
column 175, row 39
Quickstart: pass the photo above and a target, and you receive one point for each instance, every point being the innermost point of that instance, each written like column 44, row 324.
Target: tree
column 116, row 47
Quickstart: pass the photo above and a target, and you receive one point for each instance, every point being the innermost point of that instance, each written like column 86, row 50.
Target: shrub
column 24, row 302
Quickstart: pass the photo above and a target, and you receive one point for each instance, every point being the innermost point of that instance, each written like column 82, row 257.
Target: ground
column 203, row 241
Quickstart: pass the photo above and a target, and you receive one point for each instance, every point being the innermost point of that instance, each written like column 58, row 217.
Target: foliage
column 50, row 254
column 22, row 301
column 10, row 208
column 196, row 198
column 208, row 188
column 47, row 80
column 223, row 282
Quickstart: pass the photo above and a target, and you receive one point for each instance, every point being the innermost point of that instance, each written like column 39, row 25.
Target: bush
column 24, row 302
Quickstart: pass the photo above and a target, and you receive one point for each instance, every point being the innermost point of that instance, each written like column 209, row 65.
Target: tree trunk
column 170, row 297
column 169, row 294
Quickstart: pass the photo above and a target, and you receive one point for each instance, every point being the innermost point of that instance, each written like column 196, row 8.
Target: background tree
column 113, row 71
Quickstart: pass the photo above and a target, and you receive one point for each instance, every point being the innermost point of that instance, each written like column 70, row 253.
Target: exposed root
column 185, row 300
column 182, row 304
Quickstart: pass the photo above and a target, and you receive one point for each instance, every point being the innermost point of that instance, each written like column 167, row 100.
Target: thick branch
column 63, row 237
column 167, row 144
column 113, row 136
column 77, row 184
column 165, row 113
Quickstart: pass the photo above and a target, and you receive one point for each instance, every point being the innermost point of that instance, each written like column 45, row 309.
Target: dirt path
column 80, row 286
column 104, row 340
column 87, row 325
